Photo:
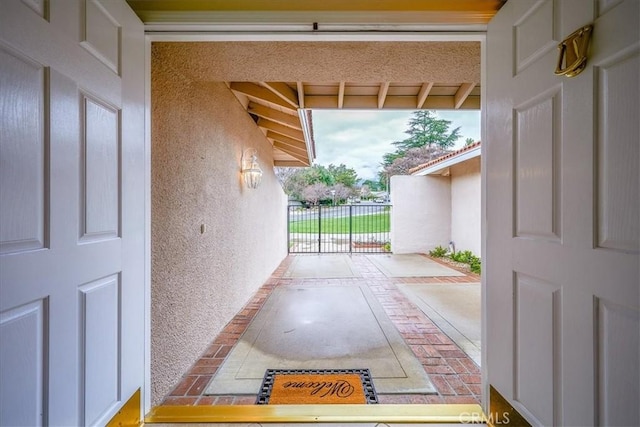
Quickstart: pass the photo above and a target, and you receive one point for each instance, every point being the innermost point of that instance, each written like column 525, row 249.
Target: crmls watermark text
column 493, row 418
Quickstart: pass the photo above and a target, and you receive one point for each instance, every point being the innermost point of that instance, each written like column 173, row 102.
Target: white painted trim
column 306, row 36
column 248, row 29
column 454, row 160
column 483, row 225
column 146, row 389
column 306, row 130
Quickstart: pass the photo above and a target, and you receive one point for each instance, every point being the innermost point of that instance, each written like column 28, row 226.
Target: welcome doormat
column 312, row 386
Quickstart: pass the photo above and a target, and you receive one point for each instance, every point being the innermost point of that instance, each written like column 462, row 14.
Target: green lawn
column 376, row 223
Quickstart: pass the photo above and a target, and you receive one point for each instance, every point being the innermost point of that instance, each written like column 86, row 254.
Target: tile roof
column 445, row 157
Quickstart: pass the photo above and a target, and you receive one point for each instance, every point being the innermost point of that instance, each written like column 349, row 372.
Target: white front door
column 71, row 210
column 563, row 217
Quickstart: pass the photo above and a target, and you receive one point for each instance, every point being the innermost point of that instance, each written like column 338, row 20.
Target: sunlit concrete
column 322, row 266
column 322, row 327
column 454, row 308
column 411, row 265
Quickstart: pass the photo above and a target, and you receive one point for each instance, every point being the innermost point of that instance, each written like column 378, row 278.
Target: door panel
column 563, row 216
column 72, row 210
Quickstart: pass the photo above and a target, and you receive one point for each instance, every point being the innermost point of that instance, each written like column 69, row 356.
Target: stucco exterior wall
column 465, row 205
column 421, row 214
column 200, row 280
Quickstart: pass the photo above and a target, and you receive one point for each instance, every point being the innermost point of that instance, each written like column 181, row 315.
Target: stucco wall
column 421, row 214
column 199, row 281
column 465, row 205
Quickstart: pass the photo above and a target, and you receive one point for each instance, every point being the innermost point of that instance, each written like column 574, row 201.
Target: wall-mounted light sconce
column 251, row 171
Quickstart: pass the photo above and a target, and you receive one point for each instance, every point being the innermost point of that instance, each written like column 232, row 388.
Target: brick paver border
column 455, row 376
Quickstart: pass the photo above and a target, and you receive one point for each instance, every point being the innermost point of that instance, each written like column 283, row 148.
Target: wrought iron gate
column 339, row 229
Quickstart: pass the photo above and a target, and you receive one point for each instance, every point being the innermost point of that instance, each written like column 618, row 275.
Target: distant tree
column 426, row 129
column 365, row 191
column 469, row 141
column 343, row 175
column 429, row 138
column 315, row 192
column 295, row 181
column 412, row 158
column 342, row 192
column 373, row 185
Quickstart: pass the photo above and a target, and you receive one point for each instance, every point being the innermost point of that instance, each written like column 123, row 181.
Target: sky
column 359, row 139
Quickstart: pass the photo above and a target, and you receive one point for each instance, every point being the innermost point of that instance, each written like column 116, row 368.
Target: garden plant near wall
column 462, row 257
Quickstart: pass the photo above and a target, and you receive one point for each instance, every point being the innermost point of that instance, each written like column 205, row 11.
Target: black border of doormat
column 269, row 376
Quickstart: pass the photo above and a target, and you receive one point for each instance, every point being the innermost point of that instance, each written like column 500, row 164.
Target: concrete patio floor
column 403, row 301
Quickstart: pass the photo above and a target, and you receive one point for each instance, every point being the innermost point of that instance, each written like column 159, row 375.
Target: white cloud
column 359, row 139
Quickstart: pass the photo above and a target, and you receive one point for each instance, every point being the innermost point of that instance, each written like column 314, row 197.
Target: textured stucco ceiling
column 367, row 62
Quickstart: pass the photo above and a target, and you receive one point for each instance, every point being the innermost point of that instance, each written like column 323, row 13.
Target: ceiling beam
column 283, row 91
column 283, row 130
column 462, row 94
column 300, row 86
column 286, row 140
column 423, row 94
column 289, row 163
column 392, row 102
column 340, row 95
column 285, row 147
column 275, row 115
column 302, row 156
column 382, row 94
column 259, row 93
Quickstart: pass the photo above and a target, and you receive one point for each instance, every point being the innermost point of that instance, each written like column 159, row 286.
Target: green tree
column 469, row 141
column 296, row 182
column 429, row 138
column 343, row 175
column 426, row 129
column 372, row 185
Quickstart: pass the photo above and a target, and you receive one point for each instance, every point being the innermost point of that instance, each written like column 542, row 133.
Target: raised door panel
column 618, row 146
column 537, row 148
column 102, row 34
column 100, row 347
column 100, row 167
column 23, row 154
column 618, row 343
column 24, row 362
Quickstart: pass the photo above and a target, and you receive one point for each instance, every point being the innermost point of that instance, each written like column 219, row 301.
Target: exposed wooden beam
column 423, row 94
column 275, row 115
column 290, row 164
column 340, row 95
column 283, row 130
column 382, row 94
column 302, row 156
column 283, row 91
column 259, row 93
column 300, row 94
column 462, row 94
column 286, row 140
column 392, row 102
column 278, row 154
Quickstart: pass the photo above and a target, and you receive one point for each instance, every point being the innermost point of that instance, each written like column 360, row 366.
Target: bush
column 438, row 252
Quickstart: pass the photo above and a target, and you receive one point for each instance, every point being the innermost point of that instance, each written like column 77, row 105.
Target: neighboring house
column 444, row 197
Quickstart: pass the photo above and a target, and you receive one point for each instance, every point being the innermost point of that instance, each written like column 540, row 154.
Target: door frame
column 247, row 34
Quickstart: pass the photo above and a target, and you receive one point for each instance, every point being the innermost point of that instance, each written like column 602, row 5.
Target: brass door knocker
column 573, row 52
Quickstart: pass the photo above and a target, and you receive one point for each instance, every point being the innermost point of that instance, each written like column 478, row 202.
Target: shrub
column 438, row 252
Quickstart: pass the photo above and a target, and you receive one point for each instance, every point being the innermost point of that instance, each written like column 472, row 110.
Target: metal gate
column 339, row 229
